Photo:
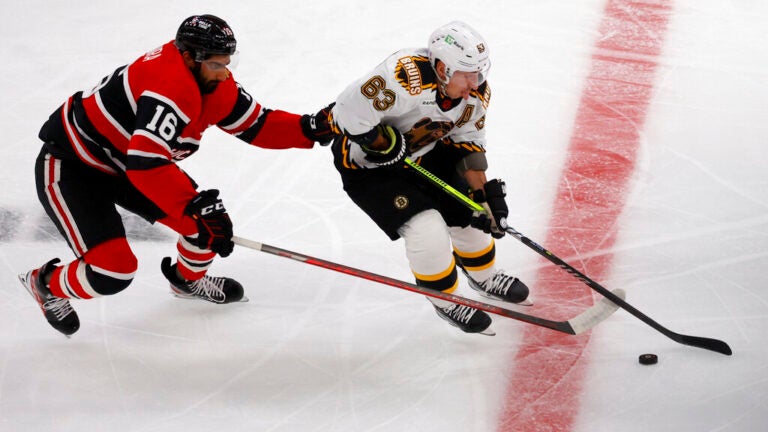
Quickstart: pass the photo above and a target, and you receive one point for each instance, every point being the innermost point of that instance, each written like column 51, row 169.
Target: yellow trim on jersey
column 483, row 93
column 345, row 158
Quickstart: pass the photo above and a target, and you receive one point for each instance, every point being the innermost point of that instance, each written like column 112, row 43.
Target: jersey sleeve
column 369, row 101
column 149, row 162
column 251, row 122
column 374, row 99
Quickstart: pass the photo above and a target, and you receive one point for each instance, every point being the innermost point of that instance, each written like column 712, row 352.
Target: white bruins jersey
column 402, row 92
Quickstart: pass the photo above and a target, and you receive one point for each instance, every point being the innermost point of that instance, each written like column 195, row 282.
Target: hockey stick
column 696, row 341
column 576, row 325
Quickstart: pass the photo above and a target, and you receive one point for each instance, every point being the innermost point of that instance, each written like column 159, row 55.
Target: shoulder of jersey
column 412, row 72
column 483, row 93
column 162, row 71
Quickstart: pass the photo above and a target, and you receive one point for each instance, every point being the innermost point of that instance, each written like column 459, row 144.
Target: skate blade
column 488, row 332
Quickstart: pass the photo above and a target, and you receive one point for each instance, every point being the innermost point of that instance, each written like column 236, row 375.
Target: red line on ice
column 547, row 379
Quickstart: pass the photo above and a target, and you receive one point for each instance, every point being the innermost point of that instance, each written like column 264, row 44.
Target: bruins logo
column 401, row 202
column 425, row 132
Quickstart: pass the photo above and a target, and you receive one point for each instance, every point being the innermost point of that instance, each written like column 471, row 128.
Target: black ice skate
column 57, row 311
column 213, row 289
column 469, row 320
column 502, row 287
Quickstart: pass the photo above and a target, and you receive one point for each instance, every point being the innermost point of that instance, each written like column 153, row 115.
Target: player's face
column 211, row 72
column 461, row 83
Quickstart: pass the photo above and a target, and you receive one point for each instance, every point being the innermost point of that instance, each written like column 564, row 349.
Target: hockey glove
column 214, row 227
column 491, row 197
column 317, row 127
column 393, row 154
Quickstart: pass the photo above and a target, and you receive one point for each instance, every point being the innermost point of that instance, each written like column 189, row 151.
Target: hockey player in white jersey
column 428, row 104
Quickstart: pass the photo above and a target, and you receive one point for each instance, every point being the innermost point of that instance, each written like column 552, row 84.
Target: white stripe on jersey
column 244, row 117
column 79, row 147
column 109, row 117
column 154, row 138
column 128, row 91
column 146, row 154
column 106, row 150
column 189, row 140
column 168, row 102
column 114, row 160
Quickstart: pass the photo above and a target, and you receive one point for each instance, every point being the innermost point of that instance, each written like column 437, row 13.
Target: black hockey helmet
column 205, row 35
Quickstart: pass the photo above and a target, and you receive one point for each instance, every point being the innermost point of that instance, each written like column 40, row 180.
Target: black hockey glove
column 491, row 197
column 214, row 228
column 394, row 154
column 317, row 127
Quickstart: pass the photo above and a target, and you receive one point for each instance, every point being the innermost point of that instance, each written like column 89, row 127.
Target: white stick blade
column 596, row 314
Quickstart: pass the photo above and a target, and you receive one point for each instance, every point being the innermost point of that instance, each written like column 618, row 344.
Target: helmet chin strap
column 441, row 85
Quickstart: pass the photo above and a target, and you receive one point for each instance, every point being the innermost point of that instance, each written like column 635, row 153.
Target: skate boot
column 212, row 289
column 502, row 287
column 469, row 320
column 57, row 311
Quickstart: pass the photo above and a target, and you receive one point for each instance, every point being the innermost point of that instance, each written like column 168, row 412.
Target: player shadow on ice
column 9, row 224
column 136, row 228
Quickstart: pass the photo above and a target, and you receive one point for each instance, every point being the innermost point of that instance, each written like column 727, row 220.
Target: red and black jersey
column 147, row 115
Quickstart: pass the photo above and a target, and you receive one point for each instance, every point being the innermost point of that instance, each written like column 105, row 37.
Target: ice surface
column 316, row 350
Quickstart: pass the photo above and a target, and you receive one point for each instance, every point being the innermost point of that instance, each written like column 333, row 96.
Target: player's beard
column 206, row 87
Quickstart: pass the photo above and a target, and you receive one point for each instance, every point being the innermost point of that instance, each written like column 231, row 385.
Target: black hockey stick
column 696, row 341
column 576, row 325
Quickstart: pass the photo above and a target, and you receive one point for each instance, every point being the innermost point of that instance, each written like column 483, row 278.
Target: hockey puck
column 648, row 359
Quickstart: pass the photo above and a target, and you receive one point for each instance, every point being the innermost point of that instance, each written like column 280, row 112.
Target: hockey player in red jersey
column 117, row 144
column 429, row 103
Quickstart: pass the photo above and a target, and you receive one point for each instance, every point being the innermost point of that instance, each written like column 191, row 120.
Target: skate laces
column 59, row 307
column 210, row 287
column 460, row 313
column 499, row 283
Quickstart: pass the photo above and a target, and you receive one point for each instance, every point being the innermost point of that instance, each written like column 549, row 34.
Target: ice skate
column 57, row 311
column 501, row 286
column 213, row 289
column 468, row 319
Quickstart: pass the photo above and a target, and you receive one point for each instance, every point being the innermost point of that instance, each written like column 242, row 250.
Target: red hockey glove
column 214, row 228
column 491, row 197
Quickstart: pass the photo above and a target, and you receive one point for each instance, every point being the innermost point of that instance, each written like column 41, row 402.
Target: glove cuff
column 389, row 134
column 495, row 188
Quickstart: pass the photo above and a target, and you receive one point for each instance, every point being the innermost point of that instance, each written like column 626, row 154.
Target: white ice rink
column 316, row 350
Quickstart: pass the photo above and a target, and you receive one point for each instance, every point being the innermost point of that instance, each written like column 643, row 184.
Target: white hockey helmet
column 461, row 48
